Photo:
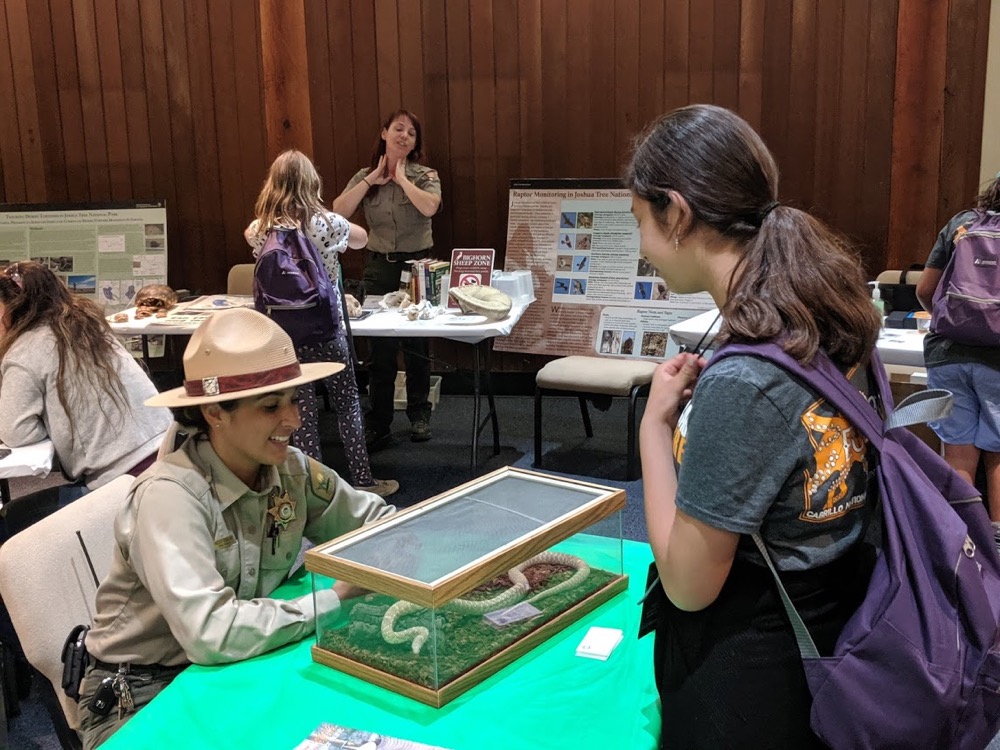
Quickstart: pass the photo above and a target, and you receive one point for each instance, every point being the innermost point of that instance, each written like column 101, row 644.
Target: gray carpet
column 426, row 469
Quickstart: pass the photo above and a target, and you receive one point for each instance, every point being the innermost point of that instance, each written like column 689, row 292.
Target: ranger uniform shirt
column 394, row 223
column 193, row 564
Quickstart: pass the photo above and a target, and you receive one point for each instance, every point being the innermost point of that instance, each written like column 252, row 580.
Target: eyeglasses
column 14, row 274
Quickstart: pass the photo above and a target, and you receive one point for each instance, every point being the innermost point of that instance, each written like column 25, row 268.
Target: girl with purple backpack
column 967, row 365
column 290, row 199
column 756, row 450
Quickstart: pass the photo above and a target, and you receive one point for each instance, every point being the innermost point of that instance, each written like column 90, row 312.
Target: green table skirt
column 549, row 698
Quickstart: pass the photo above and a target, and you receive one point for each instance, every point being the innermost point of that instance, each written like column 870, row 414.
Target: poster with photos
column 596, row 294
column 103, row 251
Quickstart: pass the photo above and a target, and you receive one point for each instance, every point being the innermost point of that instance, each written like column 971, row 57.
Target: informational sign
column 104, row 251
column 470, row 267
column 595, row 294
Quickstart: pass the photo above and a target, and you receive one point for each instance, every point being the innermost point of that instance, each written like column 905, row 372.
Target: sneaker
column 420, row 431
column 376, row 441
column 381, row 487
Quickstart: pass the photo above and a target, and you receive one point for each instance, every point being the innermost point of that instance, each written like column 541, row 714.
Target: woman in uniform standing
column 399, row 196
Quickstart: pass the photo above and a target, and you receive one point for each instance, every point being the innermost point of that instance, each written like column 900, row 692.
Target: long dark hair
column 416, row 153
column 796, row 279
column 86, row 347
column 989, row 199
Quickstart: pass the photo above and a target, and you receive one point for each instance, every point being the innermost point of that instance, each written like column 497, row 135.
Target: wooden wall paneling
column 573, row 147
column 624, row 90
column 367, row 110
column 211, row 265
column 876, row 152
column 390, row 95
column 530, row 88
column 751, row 61
column 339, row 132
column 326, row 129
column 974, row 112
column 484, row 124
column 324, row 126
column 961, row 137
column 409, row 15
column 726, row 54
column 600, row 85
column 677, row 59
column 848, row 173
column 235, row 211
column 109, row 56
column 24, row 97
column 158, row 106
column 460, row 133
column 248, row 63
column 186, row 238
column 796, row 164
column 829, row 23
column 554, row 86
column 286, row 76
column 70, row 113
column 91, row 100
column 917, row 133
column 47, row 97
column 436, row 118
column 776, row 92
column 508, row 114
column 12, row 189
column 701, row 74
column 136, row 126
column 652, row 68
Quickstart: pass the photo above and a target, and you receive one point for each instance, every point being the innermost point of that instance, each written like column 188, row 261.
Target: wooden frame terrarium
column 466, row 582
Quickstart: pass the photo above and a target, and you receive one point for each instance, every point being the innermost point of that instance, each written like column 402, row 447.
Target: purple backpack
column 918, row 664
column 966, row 305
column 291, row 285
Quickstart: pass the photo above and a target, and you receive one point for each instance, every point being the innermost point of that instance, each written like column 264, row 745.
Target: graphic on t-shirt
column 837, row 449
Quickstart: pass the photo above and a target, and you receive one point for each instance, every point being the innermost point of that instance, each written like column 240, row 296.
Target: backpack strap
column 824, row 376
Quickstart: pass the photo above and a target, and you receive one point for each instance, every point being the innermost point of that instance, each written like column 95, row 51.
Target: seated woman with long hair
column 66, row 377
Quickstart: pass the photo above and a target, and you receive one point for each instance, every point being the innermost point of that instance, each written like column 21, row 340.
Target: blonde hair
column 291, row 192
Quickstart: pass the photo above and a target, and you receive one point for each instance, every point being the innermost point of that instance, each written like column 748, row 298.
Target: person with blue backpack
column 297, row 243
column 757, row 451
column 960, row 286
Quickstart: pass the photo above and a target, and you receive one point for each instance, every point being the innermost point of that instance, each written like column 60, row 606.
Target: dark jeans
column 381, row 277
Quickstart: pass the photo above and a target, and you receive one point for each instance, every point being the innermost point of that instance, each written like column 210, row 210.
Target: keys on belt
column 113, row 691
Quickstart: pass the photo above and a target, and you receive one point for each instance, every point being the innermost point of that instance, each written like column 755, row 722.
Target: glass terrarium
column 466, row 582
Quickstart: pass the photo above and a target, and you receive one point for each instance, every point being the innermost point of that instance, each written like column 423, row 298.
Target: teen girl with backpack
column 290, row 199
column 756, row 450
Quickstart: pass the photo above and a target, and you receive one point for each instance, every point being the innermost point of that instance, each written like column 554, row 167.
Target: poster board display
column 103, row 251
column 596, row 295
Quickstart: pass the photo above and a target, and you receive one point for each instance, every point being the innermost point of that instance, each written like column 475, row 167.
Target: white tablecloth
column 896, row 346
column 450, row 325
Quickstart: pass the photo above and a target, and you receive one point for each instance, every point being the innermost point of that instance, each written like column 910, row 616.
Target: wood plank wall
column 872, row 107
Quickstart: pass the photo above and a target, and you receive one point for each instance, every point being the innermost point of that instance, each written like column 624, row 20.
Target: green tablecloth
column 549, row 698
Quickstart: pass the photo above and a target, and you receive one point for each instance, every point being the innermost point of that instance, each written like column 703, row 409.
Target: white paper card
column 599, row 643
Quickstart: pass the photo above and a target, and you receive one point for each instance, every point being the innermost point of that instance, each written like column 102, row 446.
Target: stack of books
column 425, row 279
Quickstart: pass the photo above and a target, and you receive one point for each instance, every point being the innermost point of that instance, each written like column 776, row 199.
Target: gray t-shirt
column 759, row 450
column 939, row 350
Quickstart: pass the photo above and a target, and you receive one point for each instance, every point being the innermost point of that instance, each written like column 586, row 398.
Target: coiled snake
column 417, row 635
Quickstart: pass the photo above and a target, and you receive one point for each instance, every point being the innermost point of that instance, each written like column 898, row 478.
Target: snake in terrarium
column 417, row 635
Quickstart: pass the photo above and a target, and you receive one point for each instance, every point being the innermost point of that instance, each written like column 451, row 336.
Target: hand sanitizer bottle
column 878, row 301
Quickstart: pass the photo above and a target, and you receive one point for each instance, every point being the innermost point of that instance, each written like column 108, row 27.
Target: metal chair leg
column 538, row 427
column 630, row 455
column 585, row 413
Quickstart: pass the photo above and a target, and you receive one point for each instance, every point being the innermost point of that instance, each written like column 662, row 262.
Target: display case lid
column 445, row 546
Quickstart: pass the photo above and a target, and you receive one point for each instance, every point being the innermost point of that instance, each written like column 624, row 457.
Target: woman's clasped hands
column 671, row 388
